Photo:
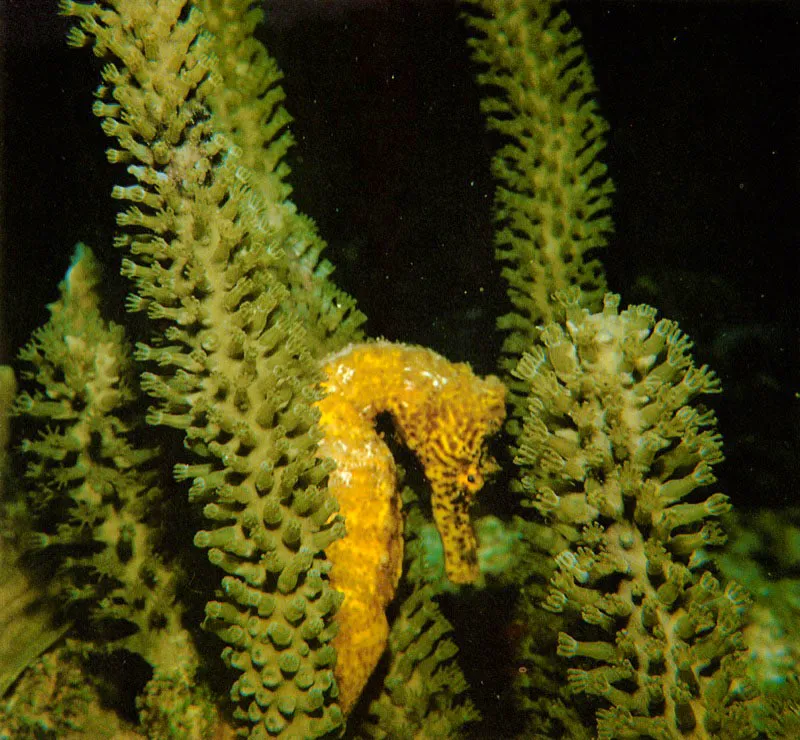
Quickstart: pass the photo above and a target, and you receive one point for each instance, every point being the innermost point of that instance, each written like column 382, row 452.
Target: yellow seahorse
column 443, row 413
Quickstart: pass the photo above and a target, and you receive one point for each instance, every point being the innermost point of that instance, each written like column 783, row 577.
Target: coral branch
column 231, row 362
column 553, row 195
column 613, row 450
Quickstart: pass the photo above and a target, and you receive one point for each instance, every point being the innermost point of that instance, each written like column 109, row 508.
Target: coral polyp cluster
column 615, row 453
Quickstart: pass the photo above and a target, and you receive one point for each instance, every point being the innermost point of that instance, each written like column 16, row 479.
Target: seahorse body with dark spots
column 444, row 414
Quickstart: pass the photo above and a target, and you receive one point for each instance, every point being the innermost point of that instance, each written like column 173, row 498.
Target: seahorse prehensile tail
column 444, row 414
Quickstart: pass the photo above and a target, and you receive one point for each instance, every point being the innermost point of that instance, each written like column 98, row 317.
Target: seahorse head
column 457, row 463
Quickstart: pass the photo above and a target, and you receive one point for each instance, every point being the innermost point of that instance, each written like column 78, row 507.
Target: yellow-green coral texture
column 553, row 194
column 615, row 453
column 232, row 364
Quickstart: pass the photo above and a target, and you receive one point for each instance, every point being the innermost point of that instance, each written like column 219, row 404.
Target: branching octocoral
column 613, row 451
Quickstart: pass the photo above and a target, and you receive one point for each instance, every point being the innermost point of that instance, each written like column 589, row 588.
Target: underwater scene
column 399, row 369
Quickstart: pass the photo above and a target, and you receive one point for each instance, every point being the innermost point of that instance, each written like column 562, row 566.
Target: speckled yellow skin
column 443, row 413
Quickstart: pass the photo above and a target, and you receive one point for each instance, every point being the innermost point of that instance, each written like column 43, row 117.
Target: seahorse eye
column 470, row 479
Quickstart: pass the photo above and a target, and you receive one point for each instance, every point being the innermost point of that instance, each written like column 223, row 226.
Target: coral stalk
column 615, row 454
column 553, row 193
column 231, row 365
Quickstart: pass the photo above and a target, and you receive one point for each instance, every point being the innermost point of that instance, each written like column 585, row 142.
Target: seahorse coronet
column 443, row 413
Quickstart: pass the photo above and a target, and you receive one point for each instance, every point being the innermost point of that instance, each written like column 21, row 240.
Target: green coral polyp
column 230, row 365
column 552, row 202
column 615, row 456
column 95, row 495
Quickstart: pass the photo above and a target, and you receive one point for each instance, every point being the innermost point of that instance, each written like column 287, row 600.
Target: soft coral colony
column 261, row 440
